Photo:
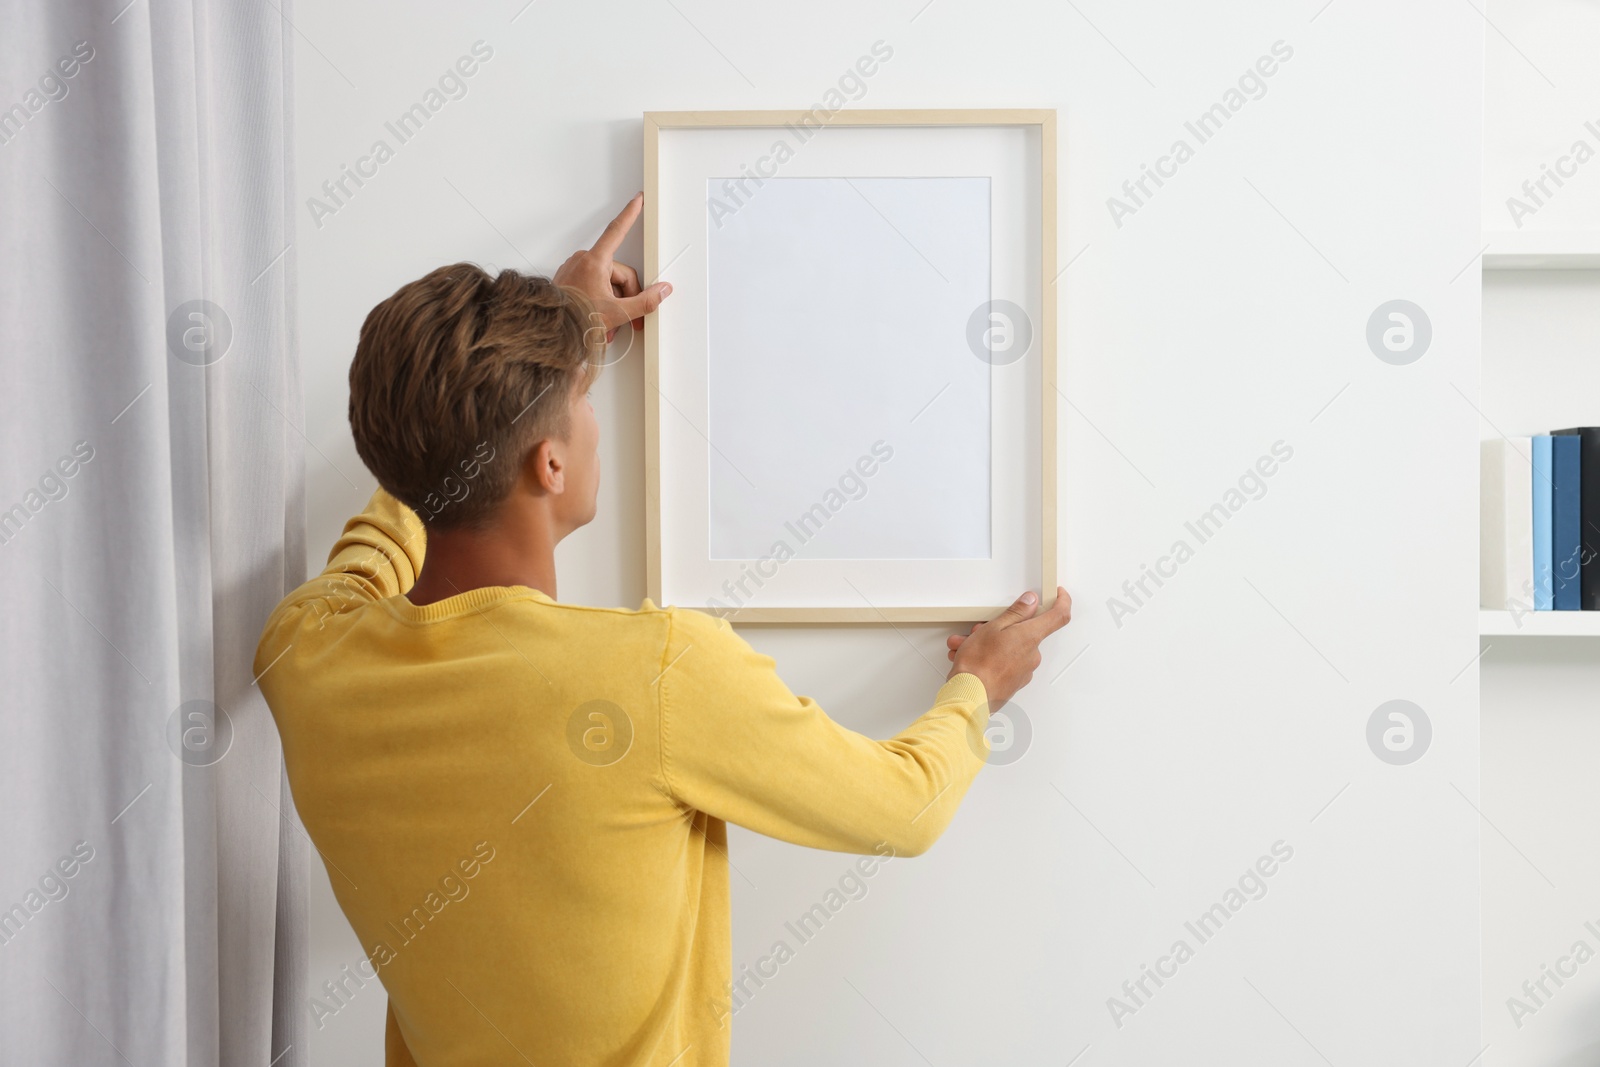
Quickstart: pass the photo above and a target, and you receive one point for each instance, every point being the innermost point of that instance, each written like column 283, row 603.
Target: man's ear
column 545, row 468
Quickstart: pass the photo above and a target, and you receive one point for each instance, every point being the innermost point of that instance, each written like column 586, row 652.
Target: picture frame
column 739, row 227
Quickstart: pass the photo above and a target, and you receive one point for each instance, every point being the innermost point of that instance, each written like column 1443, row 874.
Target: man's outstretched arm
column 738, row 745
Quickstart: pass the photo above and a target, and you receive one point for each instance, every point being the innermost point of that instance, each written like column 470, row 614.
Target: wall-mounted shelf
column 1539, row 624
column 1541, row 250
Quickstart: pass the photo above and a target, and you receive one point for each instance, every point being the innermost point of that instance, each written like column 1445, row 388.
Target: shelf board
column 1539, row 624
column 1541, row 250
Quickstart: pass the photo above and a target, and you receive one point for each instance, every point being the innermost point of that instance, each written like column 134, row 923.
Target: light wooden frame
column 1042, row 118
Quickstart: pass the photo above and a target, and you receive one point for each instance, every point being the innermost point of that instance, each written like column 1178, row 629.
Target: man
column 522, row 803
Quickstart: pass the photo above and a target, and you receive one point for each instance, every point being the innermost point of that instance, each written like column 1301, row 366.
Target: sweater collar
column 469, row 602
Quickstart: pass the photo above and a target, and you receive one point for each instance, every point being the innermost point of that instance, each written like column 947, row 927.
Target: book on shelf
column 1588, row 512
column 1539, row 450
column 1505, row 535
column 1566, row 551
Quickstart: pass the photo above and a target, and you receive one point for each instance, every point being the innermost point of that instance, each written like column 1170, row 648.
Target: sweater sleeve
column 739, row 746
column 378, row 556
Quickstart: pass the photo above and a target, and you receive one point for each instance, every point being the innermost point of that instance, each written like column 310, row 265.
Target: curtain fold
column 151, row 514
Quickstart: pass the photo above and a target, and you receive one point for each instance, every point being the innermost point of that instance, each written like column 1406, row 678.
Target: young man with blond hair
column 522, row 803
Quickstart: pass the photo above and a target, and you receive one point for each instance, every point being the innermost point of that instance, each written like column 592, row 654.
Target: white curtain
column 151, row 868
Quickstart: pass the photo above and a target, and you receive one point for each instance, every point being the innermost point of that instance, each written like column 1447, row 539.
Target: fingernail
column 1028, row 597
column 666, row 289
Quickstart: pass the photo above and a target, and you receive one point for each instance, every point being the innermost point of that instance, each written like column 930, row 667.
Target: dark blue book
column 1566, row 522
column 1588, row 510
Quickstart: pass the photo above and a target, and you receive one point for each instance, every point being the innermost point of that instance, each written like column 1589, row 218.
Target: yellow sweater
column 522, row 804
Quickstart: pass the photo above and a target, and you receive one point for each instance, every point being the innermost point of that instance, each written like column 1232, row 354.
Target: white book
column 1505, row 531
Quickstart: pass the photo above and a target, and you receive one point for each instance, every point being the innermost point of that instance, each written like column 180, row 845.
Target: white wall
column 1227, row 314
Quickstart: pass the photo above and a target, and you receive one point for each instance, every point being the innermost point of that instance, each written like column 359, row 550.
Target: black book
column 1588, row 512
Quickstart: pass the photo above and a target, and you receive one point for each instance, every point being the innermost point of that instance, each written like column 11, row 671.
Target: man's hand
column 1004, row 652
column 613, row 287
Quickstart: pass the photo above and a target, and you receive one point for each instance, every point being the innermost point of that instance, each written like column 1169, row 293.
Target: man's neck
column 514, row 550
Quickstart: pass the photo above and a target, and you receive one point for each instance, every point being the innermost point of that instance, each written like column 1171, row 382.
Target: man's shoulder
column 718, row 646
column 692, row 622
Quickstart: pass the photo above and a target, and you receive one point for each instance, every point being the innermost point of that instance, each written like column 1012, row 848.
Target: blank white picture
column 849, row 412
